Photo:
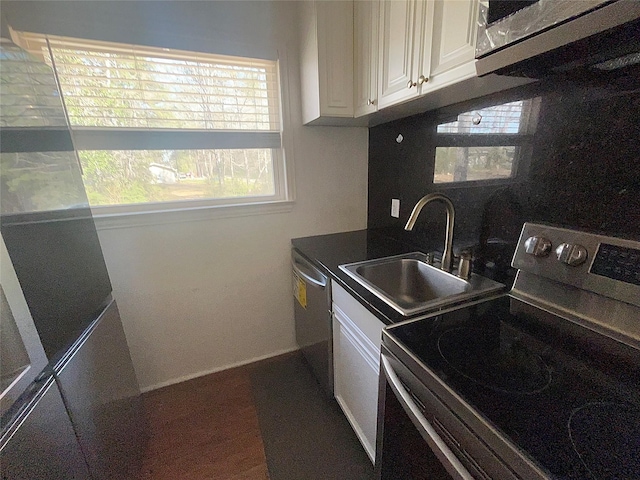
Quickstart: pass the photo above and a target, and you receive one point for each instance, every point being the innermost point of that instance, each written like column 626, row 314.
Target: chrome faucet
column 448, row 239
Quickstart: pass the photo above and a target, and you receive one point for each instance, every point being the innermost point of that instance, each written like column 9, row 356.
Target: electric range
column 541, row 382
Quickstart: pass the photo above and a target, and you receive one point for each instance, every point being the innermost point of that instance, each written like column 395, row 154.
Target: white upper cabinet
column 425, row 46
column 326, row 59
column 454, row 42
column 359, row 57
column 397, row 37
column 366, row 15
column 405, row 49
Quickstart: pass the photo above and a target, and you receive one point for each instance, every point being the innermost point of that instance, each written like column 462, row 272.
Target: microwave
column 541, row 38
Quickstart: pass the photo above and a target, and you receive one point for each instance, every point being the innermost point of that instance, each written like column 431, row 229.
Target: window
column 486, row 144
column 160, row 129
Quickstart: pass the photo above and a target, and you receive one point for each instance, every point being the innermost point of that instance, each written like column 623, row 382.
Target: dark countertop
column 329, row 251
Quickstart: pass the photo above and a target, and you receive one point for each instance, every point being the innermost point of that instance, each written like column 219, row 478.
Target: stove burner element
column 501, row 364
column 606, row 437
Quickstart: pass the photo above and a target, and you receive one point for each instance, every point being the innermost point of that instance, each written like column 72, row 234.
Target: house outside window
column 162, row 129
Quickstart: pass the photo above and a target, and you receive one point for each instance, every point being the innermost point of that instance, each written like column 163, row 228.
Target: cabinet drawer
column 356, row 380
column 366, row 321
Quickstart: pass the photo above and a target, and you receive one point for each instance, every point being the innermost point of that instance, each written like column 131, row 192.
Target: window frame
column 123, row 138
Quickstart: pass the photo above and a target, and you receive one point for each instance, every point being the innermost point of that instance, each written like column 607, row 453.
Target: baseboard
column 173, row 381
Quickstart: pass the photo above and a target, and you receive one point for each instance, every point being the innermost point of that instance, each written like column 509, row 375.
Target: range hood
column 560, row 37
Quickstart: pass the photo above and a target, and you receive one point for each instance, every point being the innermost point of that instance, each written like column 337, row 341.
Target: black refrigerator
column 52, row 247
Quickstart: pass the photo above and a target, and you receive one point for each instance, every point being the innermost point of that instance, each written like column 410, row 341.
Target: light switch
column 395, row 207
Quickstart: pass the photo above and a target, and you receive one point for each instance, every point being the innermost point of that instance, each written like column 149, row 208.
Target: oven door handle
column 448, row 459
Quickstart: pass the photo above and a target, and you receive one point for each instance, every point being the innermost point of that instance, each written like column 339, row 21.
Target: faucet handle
column 464, row 265
column 431, row 258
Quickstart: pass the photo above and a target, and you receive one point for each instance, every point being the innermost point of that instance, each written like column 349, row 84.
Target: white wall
column 200, row 296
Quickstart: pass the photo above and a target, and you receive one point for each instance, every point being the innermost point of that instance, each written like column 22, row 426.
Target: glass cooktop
column 566, row 396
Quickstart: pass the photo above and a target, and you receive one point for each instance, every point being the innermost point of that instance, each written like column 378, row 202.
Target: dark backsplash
column 583, row 171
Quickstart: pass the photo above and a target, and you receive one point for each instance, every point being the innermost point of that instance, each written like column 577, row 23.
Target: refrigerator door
column 45, row 217
column 21, row 355
column 101, row 393
column 38, row 441
column 58, row 260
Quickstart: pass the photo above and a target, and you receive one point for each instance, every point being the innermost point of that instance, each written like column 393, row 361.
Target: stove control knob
column 572, row 255
column 537, row 246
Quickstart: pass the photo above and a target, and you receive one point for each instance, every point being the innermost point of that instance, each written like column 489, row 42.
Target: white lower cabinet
column 356, row 362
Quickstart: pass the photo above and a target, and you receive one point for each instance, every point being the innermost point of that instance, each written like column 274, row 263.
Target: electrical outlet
column 395, row 207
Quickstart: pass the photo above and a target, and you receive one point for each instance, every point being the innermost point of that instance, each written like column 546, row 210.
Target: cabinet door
column 356, row 369
column 397, row 32
column 326, row 59
column 366, row 23
column 335, row 54
column 454, row 40
column 422, row 45
column 406, row 29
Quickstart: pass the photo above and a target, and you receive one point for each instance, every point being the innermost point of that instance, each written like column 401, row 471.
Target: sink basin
column 410, row 285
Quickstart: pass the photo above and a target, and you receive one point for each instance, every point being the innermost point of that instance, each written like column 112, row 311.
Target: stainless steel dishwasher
column 312, row 308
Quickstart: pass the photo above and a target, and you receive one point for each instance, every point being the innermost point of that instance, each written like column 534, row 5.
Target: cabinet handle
column 411, row 84
column 371, row 102
column 422, row 79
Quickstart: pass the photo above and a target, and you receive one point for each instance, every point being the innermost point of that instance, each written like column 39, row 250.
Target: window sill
column 105, row 221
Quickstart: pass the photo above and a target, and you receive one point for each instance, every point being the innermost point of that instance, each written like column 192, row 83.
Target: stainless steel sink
column 411, row 286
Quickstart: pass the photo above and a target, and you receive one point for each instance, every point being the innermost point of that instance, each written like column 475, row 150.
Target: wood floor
column 206, row 428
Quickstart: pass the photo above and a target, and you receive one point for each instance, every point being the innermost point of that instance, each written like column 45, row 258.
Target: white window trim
column 109, row 217
column 107, row 221
column 96, row 138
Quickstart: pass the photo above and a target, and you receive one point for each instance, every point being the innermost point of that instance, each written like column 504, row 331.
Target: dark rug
column 306, row 436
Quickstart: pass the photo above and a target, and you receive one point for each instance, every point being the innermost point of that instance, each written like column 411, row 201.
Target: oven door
column 420, row 438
